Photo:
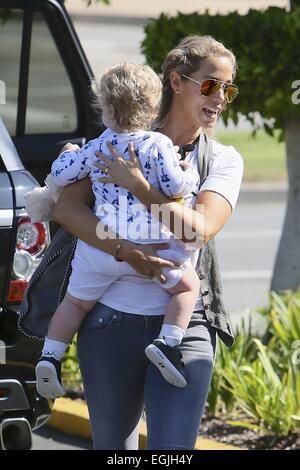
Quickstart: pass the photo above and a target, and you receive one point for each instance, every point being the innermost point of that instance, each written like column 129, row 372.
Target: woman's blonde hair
column 186, row 58
column 131, row 94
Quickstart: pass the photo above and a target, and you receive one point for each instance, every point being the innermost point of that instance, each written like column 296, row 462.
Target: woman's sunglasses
column 211, row 86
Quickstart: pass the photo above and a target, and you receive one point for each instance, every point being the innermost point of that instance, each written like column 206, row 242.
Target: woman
column 119, row 381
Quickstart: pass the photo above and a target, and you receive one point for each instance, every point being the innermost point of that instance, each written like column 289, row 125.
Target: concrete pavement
column 263, row 191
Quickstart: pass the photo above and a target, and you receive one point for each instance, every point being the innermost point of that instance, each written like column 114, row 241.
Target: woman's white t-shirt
column 139, row 295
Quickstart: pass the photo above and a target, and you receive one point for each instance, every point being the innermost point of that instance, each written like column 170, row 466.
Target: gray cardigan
column 208, row 266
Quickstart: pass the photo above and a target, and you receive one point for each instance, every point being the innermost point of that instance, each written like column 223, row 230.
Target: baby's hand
column 71, row 147
column 184, row 165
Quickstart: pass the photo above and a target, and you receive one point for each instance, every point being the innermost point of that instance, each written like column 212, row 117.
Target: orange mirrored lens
column 210, row 87
column 230, row 93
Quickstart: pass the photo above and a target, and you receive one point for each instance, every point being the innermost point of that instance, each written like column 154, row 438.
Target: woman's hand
column 124, row 173
column 144, row 259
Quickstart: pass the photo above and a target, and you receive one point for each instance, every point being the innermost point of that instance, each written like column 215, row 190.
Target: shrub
column 259, row 380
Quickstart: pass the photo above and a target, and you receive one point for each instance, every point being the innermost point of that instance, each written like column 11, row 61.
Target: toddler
column 129, row 96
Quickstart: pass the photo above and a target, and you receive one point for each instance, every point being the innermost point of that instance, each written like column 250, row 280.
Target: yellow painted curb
column 72, row 417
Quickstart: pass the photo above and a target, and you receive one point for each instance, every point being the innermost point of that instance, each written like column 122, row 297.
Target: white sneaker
column 48, row 378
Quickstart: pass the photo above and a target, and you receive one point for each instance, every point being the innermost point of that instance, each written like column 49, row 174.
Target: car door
column 45, row 81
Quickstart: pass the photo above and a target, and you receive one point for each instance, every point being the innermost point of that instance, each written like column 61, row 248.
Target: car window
column 11, row 24
column 51, row 106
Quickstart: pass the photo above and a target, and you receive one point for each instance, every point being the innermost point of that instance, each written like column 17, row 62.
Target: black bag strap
column 47, row 286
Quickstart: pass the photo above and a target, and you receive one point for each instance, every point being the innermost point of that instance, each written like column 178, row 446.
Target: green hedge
column 267, row 47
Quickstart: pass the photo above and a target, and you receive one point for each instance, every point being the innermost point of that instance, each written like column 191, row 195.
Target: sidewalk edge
column 72, row 417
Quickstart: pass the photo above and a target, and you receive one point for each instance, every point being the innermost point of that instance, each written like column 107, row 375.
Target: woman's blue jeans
column 120, row 382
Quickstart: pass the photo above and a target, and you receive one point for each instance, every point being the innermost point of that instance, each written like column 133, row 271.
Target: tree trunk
column 287, row 265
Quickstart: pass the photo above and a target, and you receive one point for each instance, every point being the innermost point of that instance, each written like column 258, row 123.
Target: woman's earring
column 177, row 92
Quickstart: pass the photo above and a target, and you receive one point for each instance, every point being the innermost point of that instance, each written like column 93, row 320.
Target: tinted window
column 51, row 104
column 11, row 24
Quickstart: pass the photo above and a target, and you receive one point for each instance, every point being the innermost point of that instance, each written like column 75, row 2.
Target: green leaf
column 296, row 417
column 244, row 424
column 266, row 363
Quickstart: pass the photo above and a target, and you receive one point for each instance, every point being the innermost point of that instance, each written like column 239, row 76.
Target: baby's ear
column 108, row 116
column 110, row 111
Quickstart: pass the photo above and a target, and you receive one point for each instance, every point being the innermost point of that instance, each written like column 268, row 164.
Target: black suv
column 45, row 102
column 23, row 244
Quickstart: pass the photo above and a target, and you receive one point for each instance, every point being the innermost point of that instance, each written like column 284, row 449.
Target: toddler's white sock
column 172, row 334
column 53, row 348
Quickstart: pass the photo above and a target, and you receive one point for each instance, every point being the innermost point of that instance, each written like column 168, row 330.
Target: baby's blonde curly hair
column 130, row 95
